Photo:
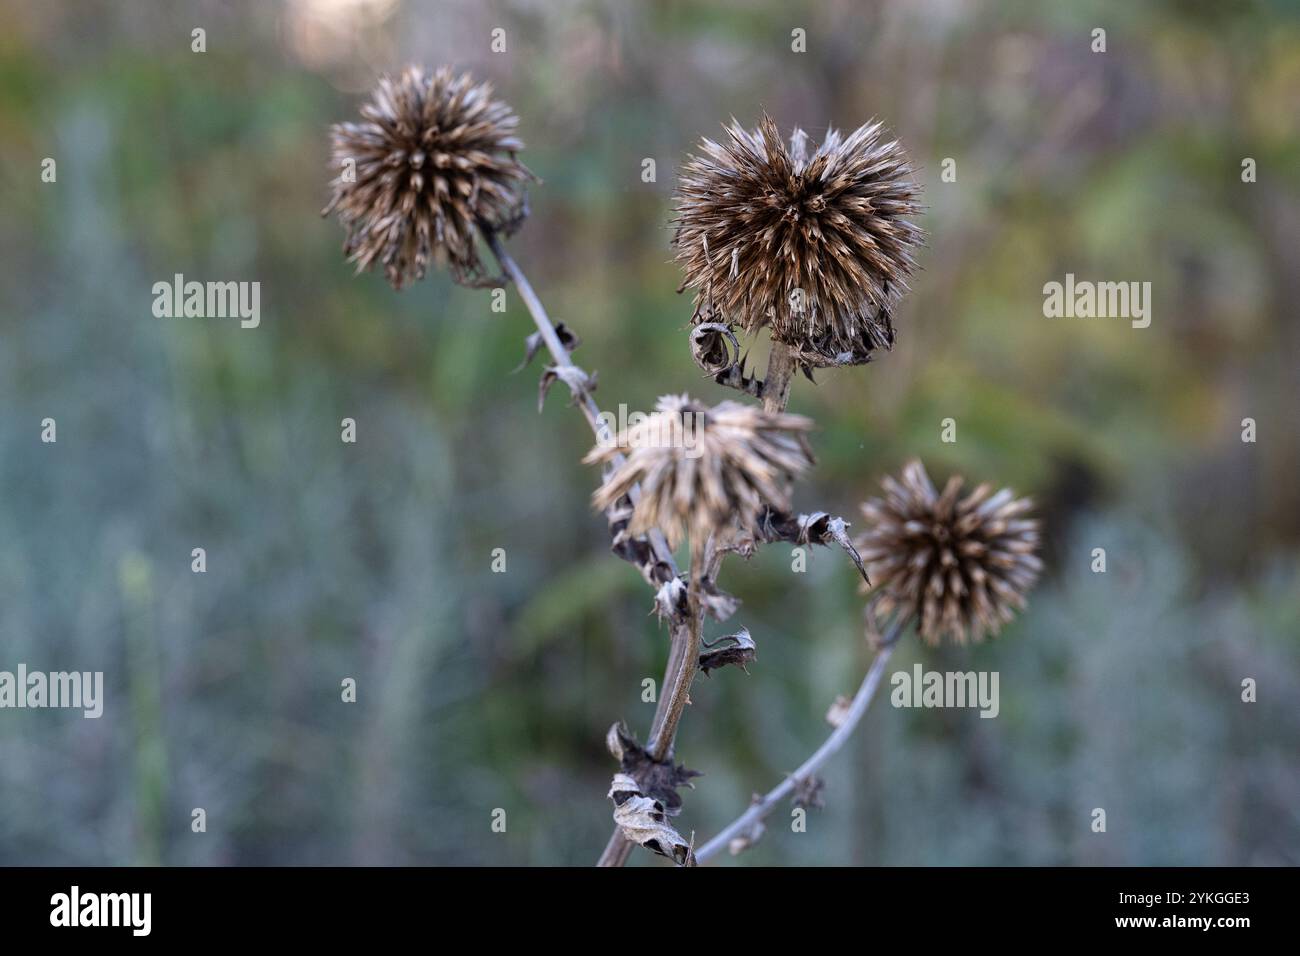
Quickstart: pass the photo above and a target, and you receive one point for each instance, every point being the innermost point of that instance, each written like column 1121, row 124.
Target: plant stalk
column 766, row 804
column 780, row 375
column 682, row 659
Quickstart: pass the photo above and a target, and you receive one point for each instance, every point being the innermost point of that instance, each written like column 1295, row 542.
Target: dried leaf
column 634, row 549
column 656, row 779
column 836, row 529
column 644, row 822
column 714, row 347
column 718, row 603
column 808, row 793
column 749, row 836
column 614, row 740
column 534, row 343
column 839, row 710
column 816, row 528
column 741, row 651
column 579, row 382
column 670, row 600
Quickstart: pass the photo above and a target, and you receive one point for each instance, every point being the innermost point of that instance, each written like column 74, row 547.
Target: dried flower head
column 959, row 565
column 703, row 470
column 818, row 247
column 431, row 162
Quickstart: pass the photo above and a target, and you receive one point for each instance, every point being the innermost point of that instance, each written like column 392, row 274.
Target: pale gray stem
column 680, row 659
column 560, row 355
column 766, row 804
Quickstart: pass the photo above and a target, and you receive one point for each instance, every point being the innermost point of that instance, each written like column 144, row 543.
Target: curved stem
column 617, row 850
column 766, row 804
column 590, row 410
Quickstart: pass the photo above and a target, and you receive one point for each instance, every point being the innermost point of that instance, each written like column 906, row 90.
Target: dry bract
column 961, row 566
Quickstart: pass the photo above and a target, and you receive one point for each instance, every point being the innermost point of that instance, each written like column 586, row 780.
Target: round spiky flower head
column 960, row 566
column 432, row 162
column 703, row 470
column 818, row 247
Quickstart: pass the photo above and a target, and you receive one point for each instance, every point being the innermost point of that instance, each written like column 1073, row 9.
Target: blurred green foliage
column 479, row 690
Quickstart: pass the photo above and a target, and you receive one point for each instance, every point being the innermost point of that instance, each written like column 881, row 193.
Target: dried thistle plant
column 703, row 470
column 430, row 165
column 816, row 246
column 960, row 566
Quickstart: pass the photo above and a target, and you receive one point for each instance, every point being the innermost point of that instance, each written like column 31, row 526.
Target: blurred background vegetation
column 479, row 690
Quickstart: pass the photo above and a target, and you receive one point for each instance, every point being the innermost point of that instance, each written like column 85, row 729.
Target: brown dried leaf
column 714, row 347
column 743, row 841
column 808, row 793
column 534, row 343
column 838, row 711
column 670, row 600
column 741, row 651
column 579, row 382
column 718, row 603
column 816, row 528
column 643, row 821
column 657, row 779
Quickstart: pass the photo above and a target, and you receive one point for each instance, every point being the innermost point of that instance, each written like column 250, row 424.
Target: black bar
column 336, row 905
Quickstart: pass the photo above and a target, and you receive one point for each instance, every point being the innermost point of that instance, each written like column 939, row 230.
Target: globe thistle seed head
column 960, row 566
column 819, row 247
column 703, row 470
column 430, row 163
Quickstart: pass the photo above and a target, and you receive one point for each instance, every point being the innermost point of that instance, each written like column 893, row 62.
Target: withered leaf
column 717, row 603
column 741, row 651
column 816, row 528
column 808, row 792
column 657, row 779
column 714, row 347
column 634, row 549
column 643, row 821
column 670, row 600
column 534, row 343
column 579, row 382
column 838, row 711
column 746, row 838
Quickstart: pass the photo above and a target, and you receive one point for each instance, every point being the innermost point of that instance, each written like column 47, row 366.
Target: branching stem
column 758, row 810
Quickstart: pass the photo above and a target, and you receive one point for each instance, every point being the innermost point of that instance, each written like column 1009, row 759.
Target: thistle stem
column 683, row 655
column 661, row 743
column 780, row 373
column 559, row 354
column 767, row 803
column 561, row 357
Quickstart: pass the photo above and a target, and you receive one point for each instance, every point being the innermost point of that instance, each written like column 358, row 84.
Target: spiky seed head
column 959, row 566
column 817, row 246
column 431, row 162
column 703, row 470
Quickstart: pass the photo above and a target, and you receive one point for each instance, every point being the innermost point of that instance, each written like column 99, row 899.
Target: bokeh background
column 479, row 690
